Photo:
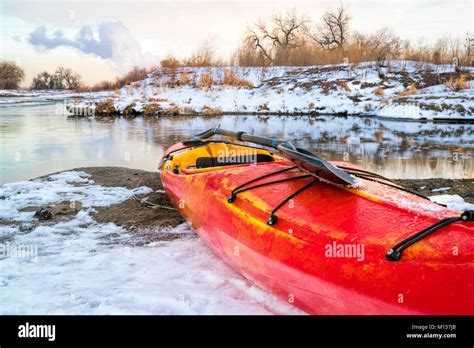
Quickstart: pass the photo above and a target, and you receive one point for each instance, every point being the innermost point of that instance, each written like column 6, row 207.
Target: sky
column 103, row 39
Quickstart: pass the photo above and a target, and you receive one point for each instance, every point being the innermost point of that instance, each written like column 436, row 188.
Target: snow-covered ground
column 82, row 267
column 455, row 202
column 357, row 89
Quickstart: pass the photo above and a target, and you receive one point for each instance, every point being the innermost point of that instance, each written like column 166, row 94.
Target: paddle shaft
column 300, row 157
column 242, row 136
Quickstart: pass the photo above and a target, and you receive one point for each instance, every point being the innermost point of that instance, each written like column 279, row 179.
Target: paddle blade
column 317, row 166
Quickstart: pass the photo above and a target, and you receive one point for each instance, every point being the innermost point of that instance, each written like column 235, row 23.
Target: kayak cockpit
column 215, row 156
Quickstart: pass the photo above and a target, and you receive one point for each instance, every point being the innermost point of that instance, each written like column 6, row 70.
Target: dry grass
column 246, row 84
column 263, row 107
column 184, row 78
column 105, row 108
column 231, row 79
column 152, row 109
column 260, row 48
column 187, row 110
column 379, row 92
column 156, row 100
column 411, row 90
column 458, row 84
column 134, row 75
column 345, row 86
column 210, row 111
column 206, row 80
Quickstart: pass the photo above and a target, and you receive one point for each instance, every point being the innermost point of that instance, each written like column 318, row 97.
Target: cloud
column 112, row 41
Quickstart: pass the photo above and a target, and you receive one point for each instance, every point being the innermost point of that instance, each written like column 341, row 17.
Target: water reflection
column 36, row 141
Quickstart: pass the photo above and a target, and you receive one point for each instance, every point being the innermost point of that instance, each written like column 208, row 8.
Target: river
column 38, row 138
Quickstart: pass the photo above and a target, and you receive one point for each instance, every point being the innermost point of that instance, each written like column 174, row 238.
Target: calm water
column 37, row 140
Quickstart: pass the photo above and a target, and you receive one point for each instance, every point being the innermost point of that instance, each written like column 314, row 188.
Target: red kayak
column 329, row 238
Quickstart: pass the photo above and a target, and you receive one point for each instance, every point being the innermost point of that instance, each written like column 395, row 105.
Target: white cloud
column 113, row 41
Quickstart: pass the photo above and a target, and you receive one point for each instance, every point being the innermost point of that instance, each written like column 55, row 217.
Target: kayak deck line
column 395, row 253
column 273, row 219
column 233, row 194
column 392, row 185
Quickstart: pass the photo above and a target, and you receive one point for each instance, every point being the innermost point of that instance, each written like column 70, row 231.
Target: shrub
column 136, row 74
column 100, row 86
column 170, row 62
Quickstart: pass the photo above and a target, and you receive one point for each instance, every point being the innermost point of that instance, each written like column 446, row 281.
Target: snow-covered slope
column 399, row 89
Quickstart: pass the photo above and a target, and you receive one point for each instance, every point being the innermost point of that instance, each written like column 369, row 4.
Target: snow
column 454, row 202
column 50, row 94
column 83, row 267
column 20, row 98
column 328, row 89
column 440, row 189
column 57, row 188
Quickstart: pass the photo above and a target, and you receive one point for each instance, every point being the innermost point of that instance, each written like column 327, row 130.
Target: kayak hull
column 326, row 253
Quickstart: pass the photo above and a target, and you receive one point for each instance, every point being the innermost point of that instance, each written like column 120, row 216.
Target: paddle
column 302, row 158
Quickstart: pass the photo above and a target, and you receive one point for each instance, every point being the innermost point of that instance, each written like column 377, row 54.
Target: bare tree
column 11, row 75
column 332, row 33
column 63, row 78
column 69, row 79
column 41, row 81
column 276, row 39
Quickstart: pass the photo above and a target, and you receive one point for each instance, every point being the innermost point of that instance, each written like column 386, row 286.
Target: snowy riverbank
column 115, row 245
column 396, row 89
column 72, row 264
